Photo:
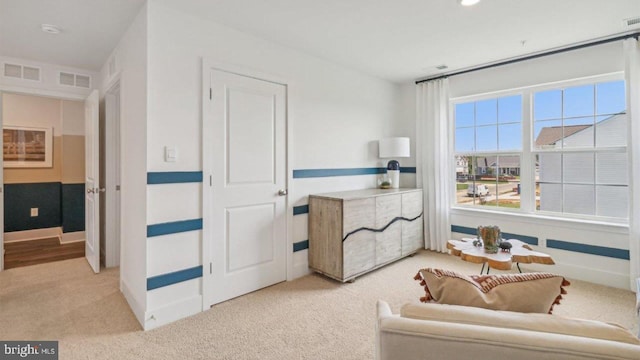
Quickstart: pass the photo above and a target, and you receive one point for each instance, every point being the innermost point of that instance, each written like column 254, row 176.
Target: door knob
column 97, row 190
column 282, row 192
column 90, row 191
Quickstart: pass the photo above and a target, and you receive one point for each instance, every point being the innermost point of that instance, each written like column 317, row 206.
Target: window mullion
column 527, row 163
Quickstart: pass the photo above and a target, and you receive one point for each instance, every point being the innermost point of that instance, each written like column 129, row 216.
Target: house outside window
column 489, row 144
column 555, row 149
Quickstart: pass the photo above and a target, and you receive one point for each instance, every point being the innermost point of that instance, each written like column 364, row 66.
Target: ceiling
column 90, row 29
column 399, row 40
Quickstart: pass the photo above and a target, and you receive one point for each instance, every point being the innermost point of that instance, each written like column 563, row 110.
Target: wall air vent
column 75, row 80
column 30, row 73
column 21, row 72
column 83, row 81
column 632, row 22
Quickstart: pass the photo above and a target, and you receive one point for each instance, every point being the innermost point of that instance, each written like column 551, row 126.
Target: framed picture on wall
column 27, row 147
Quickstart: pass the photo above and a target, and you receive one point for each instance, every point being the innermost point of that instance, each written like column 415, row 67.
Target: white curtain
column 434, row 143
column 632, row 80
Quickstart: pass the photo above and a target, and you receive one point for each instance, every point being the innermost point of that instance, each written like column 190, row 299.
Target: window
column 576, row 163
column 488, row 150
column 580, row 138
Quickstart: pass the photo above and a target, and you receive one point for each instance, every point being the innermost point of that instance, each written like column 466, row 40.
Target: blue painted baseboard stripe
column 532, row 240
column 173, row 227
column 174, row 177
column 588, row 249
column 302, row 245
column 302, row 209
column 174, row 277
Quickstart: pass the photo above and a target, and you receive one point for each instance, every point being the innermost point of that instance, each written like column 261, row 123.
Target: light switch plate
column 170, row 154
column 34, row 212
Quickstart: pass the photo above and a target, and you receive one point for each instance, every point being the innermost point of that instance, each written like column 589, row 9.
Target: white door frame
column 23, row 91
column 112, row 234
column 207, row 148
column 1, row 193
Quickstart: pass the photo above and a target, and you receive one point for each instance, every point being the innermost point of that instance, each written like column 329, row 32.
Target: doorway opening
column 43, row 179
column 42, row 198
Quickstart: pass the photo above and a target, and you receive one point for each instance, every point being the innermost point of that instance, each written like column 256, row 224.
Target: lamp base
column 394, row 178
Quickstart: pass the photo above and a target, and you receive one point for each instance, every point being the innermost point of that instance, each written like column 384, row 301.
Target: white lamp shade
column 394, row 147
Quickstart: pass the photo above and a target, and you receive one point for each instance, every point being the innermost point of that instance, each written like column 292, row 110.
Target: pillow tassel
column 418, row 276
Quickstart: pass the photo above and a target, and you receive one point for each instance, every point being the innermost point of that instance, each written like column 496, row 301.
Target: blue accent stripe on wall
column 589, row 249
column 409, row 170
column 464, row 230
column 314, row 173
column 302, row 245
column 302, row 209
column 532, row 240
column 174, row 177
column 174, row 277
column 173, row 227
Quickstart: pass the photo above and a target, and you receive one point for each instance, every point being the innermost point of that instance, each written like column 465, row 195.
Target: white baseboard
column 591, row 275
column 34, row 234
column 71, row 237
column 135, row 306
column 172, row 312
column 299, row 270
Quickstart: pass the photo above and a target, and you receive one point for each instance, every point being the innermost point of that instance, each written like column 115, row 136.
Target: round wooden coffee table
column 520, row 253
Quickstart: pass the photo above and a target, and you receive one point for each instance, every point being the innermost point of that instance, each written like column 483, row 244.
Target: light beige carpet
column 310, row 318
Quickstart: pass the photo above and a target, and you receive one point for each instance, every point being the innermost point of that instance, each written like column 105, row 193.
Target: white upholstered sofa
column 438, row 331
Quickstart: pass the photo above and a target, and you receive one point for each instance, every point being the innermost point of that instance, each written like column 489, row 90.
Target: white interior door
column 92, row 172
column 245, row 131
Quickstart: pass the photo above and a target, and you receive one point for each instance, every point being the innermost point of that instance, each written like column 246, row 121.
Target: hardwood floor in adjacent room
column 32, row 252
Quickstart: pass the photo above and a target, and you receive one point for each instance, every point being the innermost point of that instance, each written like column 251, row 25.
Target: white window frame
column 528, row 152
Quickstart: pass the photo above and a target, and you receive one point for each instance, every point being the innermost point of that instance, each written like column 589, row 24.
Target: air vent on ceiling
column 632, row 22
column 76, row 80
column 21, row 72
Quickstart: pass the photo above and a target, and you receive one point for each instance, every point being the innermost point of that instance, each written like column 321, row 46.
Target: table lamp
column 394, row 148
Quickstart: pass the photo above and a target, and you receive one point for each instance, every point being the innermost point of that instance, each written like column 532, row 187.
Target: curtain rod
column 534, row 56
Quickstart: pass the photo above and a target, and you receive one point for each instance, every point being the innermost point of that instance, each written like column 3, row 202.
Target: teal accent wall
column 58, row 205
column 72, row 207
column 20, row 198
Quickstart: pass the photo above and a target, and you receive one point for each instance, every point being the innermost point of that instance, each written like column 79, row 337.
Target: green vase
column 490, row 236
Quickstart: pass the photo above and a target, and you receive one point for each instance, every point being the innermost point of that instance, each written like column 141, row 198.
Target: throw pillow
column 527, row 292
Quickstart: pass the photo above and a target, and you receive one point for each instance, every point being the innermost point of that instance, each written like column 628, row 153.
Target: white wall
column 337, row 115
column 131, row 56
column 571, row 65
column 575, row 64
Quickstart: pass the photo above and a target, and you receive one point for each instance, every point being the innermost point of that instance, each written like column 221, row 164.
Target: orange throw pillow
column 527, row 292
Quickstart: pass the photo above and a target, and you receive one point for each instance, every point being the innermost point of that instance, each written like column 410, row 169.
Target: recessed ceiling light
column 50, row 29
column 468, row 2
